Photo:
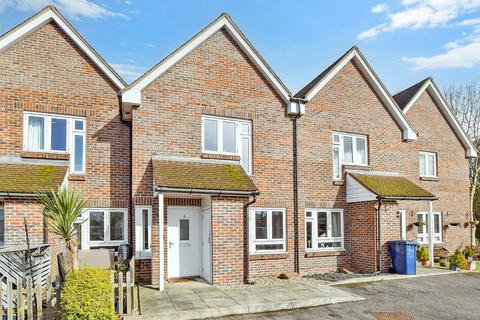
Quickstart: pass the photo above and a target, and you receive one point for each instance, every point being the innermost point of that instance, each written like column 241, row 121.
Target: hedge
column 87, row 295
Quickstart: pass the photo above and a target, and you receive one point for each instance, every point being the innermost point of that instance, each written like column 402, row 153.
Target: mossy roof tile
column 201, row 176
column 30, row 178
column 391, row 186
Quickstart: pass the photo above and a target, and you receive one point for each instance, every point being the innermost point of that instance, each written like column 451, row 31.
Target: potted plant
column 457, row 261
column 469, row 253
column 422, row 255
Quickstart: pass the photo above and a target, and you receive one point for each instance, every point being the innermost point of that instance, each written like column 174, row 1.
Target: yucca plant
column 60, row 209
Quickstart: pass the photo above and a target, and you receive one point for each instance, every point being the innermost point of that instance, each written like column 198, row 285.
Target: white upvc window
column 2, row 224
column 428, row 164
column 267, row 231
column 56, row 133
column 143, row 232
column 229, row 137
column 349, row 149
column 104, row 227
column 324, row 229
column 422, row 232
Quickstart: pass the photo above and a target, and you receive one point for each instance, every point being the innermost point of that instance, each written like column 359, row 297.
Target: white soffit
column 132, row 94
column 51, row 14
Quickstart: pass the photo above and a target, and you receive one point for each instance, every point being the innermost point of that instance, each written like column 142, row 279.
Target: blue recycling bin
column 404, row 256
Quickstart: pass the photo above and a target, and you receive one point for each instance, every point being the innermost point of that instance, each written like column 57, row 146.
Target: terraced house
column 210, row 167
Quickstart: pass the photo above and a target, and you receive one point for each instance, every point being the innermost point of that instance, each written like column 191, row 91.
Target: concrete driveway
column 449, row 296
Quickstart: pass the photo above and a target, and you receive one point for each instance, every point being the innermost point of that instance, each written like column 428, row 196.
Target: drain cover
column 391, row 316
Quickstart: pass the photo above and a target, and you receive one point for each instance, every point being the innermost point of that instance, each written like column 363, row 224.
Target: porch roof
column 392, row 187
column 18, row 178
column 205, row 176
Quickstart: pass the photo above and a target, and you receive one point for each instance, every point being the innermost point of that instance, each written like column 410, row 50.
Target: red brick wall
column 47, row 72
column 216, row 78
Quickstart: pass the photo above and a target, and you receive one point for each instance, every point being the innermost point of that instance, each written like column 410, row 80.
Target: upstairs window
column 229, row 137
column 60, row 134
column 422, row 232
column 267, row 231
column 349, row 149
column 428, row 164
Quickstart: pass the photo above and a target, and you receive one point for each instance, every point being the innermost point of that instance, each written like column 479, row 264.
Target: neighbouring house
column 61, row 125
column 210, row 167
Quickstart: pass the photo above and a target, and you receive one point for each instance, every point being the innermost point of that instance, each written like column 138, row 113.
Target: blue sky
column 404, row 40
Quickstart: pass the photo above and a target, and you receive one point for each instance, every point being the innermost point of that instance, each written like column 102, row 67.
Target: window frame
column 329, row 239
column 427, row 154
column 341, row 151
column 47, row 138
column 422, row 237
column 239, row 137
column 269, row 240
column 106, row 242
column 140, row 251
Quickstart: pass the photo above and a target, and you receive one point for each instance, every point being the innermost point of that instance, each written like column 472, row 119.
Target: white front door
column 184, row 242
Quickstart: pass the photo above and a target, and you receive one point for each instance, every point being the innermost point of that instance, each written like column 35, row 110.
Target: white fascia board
column 42, row 19
column 408, row 133
column 470, row 151
column 133, row 94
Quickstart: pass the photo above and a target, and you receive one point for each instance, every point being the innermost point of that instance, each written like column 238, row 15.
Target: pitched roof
column 200, row 175
column 403, row 97
column 354, row 54
column 43, row 17
column 388, row 186
column 17, row 178
column 132, row 93
column 414, row 92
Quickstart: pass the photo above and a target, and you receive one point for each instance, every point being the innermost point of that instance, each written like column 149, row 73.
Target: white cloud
column 461, row 54
column 470, row 22
column 129, row 72
column 71, row 8
column 417, row 14
column 379, row 8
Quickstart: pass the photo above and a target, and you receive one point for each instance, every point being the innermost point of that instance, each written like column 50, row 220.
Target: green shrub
column 87, row 295
column 468, row 252
column 422, row 254
column 458, row 259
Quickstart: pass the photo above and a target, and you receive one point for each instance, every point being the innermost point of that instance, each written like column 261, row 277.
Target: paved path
column 196, row 300
column 448, row 296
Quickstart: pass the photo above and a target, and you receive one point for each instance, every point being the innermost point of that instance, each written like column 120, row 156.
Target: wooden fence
column 29, row 296
column 125, row 293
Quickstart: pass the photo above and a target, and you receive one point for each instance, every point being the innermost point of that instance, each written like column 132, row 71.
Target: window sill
column 314, row 254
column 45, row 155
column 429, row 179
column 77, row 177
column 220, row 156
column 338, row 182
column 268, row 256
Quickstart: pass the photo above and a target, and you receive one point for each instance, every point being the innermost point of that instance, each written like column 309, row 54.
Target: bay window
column 55, row 133
column 348, row 149
column 422, row 232
column 428, row 164
column 229, row 137
column 324, row 229
column 104, row 227
column 143, row 232
column 267, row 230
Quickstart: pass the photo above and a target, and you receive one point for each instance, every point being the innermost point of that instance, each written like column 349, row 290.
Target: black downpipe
column 295, row 196
column 379, row 237
column 130, row 185
column 246, row 259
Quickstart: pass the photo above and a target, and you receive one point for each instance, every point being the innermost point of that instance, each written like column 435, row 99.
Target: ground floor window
column 323, row 229
column 2, row 224
column 267, row 230
column 422, row 233
column 104, row 227
column 143, row 232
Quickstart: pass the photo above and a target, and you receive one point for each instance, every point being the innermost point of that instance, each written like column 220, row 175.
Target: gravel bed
column 337, row 276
